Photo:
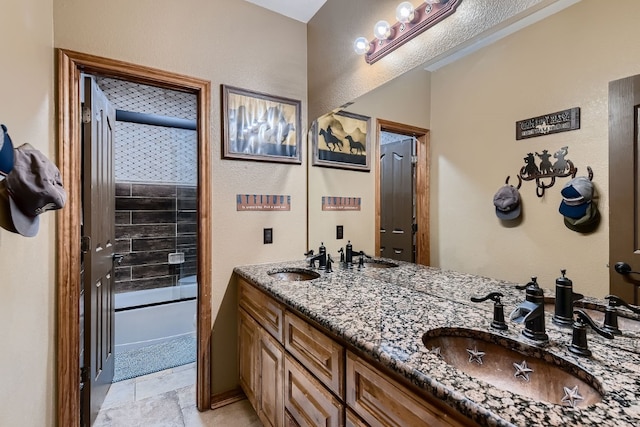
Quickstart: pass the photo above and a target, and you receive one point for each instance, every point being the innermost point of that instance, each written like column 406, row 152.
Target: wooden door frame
column 70, row 65
column 423, row 252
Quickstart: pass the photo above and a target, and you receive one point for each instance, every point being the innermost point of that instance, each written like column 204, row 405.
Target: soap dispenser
column 322, row 251
column 348, row 254
column 563, row 315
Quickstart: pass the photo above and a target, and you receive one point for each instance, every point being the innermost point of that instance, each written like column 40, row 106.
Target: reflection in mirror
column 401, row 101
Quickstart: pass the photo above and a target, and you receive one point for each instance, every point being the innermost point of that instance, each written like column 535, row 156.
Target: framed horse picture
column 341, row 140
column 257, row 126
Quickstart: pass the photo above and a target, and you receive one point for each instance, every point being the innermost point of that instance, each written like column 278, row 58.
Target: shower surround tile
column 152, row 221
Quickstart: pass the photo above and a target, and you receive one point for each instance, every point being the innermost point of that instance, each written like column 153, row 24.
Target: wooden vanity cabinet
column 248, row 336
column 261, row 354
column 381, row 401
column 307, row 402
column 295, row 375
column 319, row 354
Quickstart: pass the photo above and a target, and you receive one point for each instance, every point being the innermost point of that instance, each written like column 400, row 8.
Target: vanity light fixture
column 411, row 21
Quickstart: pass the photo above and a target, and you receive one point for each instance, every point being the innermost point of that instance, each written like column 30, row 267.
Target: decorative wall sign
column 561, row 121
column 341, row 140
column 257, row 126
column 260, row 202
column 330, row 203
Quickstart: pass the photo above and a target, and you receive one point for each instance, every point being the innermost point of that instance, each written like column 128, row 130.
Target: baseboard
column 227, row 398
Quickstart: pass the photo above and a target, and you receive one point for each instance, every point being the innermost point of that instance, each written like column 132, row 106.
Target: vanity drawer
column 307, row 401
column 381, row 401
column 264, row 309
column 321, row 355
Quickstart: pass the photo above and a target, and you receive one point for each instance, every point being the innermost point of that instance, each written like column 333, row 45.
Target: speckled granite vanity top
column 385, row 312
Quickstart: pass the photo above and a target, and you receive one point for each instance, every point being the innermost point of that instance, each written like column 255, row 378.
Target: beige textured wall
column 404, row 100
column 337, row 75
column 564, row 61
column 27, row 265
column 227, row 42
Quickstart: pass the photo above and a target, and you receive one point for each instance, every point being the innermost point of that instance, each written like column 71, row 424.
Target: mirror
column 403, row 100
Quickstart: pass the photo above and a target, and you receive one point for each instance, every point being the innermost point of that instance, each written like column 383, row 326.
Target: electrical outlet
column 268, row 236
column 339, row 232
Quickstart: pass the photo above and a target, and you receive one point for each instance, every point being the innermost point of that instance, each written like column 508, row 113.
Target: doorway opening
column 155, row 174
column 70, row 66
column 416, row 215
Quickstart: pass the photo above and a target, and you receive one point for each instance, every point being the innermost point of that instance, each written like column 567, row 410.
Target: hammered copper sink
column 514, row 366
column 294, row 275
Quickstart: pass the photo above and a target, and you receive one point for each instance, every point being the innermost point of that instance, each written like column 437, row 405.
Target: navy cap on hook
column 6, row 152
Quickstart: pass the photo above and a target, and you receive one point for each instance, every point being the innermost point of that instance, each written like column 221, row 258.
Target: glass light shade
column 405, row 12
column 361, row 46
column 382, row 30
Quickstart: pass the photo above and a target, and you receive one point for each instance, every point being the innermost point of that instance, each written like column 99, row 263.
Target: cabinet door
column 381, row 401
column 353, row 420
column 248, row 335
column 322, row 356
column 307, row 401
column 270, row 370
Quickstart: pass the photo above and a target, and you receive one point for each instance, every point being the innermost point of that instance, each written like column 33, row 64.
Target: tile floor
column 167, row 399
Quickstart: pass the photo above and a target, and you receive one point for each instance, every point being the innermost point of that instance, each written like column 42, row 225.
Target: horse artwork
column 355, row 145
column 257, row 126
column 331, row 134
column 331, row 140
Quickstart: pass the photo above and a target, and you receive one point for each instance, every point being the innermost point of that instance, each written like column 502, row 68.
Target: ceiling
column 300, row 10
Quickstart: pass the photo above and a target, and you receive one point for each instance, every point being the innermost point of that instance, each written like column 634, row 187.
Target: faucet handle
column 495, row 296
column 615, row 301
column 329, row 269
column 533, row 282
column 498, row 309
column 579, row 337
column 583, row 318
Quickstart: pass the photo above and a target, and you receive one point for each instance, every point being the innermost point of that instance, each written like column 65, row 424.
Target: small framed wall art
column 341, row 140
column 257, row 126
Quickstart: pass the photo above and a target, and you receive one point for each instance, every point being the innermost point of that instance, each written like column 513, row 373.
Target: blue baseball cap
column 576, row 197
column 6, row 152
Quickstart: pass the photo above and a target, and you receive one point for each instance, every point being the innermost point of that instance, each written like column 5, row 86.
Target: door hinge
column 85, row 244
column 414, row 160
column 86, row 114
column 414, row 228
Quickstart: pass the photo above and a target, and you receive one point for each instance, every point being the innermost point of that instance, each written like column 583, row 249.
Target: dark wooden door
column 98, row 206
column 396, row 200
column 624, row 186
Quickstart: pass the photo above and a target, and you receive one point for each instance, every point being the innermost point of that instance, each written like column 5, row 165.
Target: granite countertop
column 384, row 312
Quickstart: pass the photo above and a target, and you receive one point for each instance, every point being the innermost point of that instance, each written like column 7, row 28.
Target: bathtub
column 143, row 326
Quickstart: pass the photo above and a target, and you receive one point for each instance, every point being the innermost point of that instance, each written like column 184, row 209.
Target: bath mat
column 154, row 358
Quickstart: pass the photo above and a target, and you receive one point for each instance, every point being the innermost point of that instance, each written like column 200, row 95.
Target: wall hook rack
column 519, row 182
column 561, row 168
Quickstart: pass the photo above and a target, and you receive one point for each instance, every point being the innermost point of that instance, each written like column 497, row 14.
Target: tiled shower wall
column 153, row 221
column 156, row 175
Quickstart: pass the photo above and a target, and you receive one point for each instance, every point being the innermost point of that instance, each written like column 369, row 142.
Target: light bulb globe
column 361, row 45
column 382, row 30
column 405, row 12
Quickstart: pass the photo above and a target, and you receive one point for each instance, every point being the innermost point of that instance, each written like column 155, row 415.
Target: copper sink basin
column 294, row 275
column 626, row 321
column 514, row 366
